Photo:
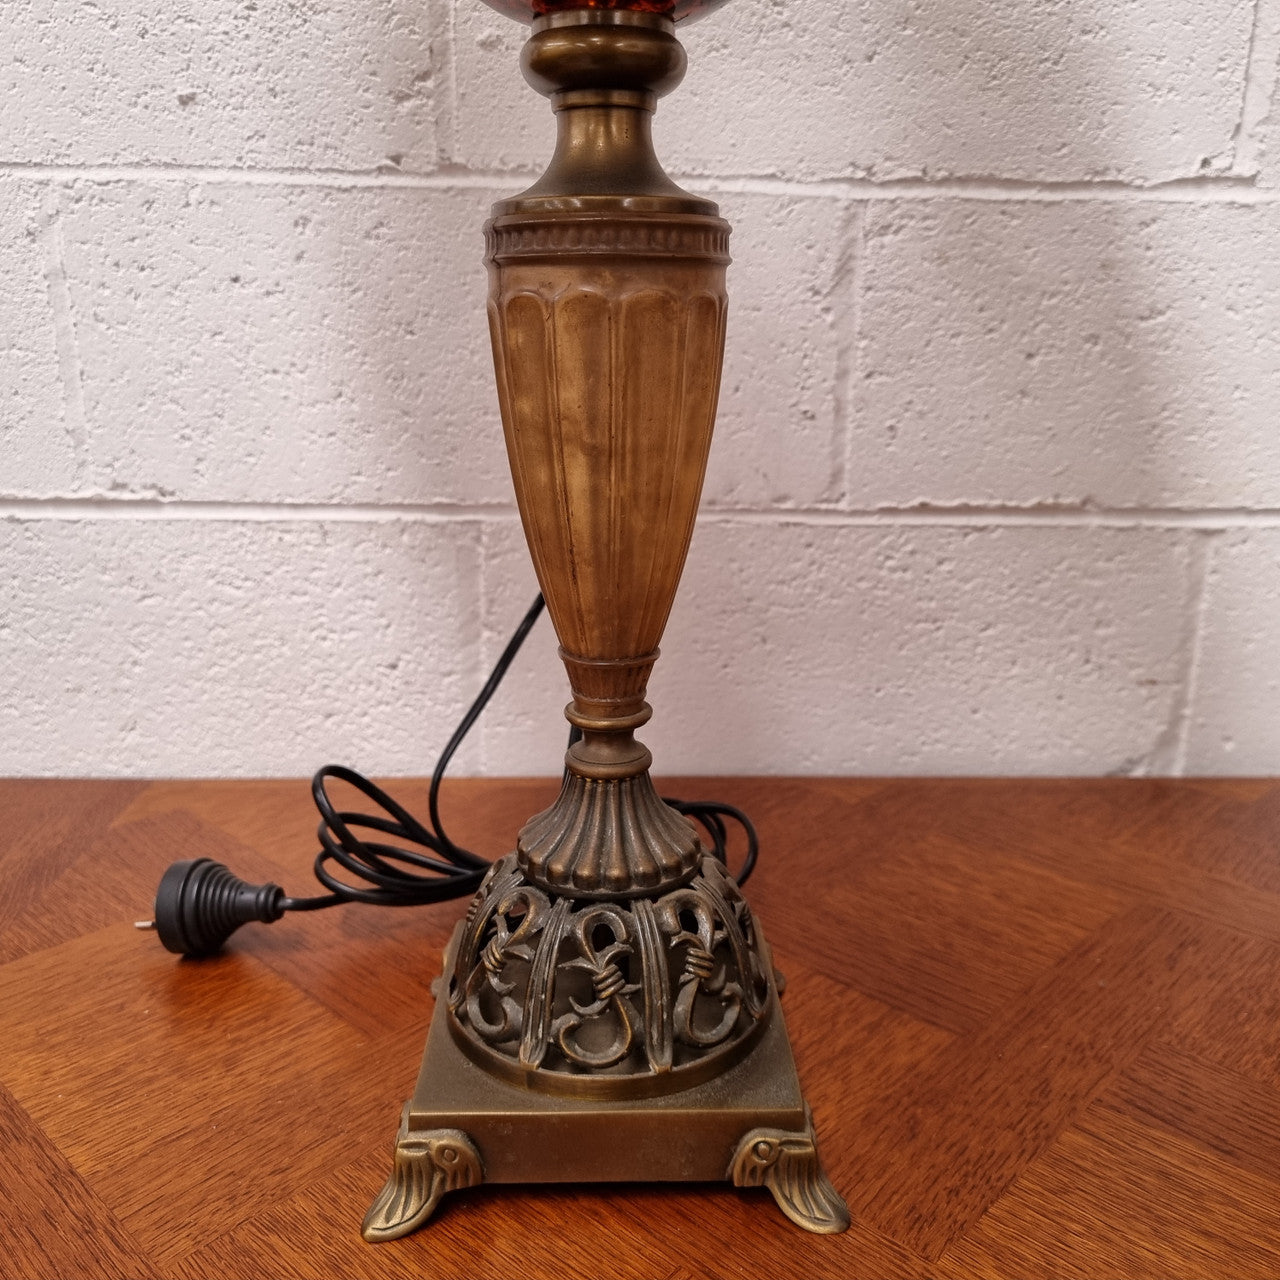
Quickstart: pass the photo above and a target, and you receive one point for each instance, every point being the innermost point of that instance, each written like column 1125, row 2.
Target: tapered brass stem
column 607, row 307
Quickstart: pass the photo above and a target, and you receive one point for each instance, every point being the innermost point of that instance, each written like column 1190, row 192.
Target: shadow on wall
column 1064, row 359
column 1027, row 349
column 293, row 336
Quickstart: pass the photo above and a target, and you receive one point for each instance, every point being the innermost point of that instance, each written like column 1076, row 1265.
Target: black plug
column 200, row 904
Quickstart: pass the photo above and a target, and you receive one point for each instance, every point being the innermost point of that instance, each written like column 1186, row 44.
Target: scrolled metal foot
column 788, row 1164
column 428, row 1164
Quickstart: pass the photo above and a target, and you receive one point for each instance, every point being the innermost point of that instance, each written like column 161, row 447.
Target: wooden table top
column 1038, row 1023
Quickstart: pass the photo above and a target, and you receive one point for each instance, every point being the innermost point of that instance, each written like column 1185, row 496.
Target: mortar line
column 1259, row 86
column 1005, row 516
column 1162, row 758
column 1191, row 676
column 853, row 241
column 481, row 673
column 1238, row 134
column 1215, row 189
column 447, row 146
column 66, row 345
column 1211, row 518
column 153, row 508
column 1223, row 189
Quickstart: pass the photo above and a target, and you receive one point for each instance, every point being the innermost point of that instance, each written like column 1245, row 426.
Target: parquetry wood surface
column 1038, row 1023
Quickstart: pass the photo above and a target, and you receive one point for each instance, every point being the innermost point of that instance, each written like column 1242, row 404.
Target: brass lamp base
column 463, row 1127
column 609, row 1011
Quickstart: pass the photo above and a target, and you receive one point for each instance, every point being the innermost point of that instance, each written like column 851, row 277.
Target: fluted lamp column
column 609, row 1010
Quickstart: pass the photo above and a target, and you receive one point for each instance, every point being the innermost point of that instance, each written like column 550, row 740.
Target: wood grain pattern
column 1038, row 1023
column 53, row 1224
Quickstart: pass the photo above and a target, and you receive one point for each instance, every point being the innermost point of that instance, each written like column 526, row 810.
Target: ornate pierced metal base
column 623, row 999
column 747, row 1124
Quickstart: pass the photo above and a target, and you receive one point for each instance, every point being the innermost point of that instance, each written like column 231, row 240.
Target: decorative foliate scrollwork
column 659, row 1025
column 562, row 992
column 701, row 971
column 609, row 989
column 504, row 925
column 727, row 899
column 539, row 1012
column 502, row 877
column 487, row 985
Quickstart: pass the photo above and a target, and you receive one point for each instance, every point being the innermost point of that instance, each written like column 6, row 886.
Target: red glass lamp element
column 677, row 10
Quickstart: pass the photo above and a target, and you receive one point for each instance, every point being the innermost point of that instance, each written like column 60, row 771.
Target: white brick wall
column 996, row 485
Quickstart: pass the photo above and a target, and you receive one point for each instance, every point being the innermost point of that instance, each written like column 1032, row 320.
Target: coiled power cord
column 200, row 903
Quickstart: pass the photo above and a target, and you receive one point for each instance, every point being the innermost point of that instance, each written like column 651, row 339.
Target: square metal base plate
column 523, row 1136
column 463, row 1126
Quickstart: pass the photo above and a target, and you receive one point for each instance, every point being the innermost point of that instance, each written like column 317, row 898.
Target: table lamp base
column 463, row 1127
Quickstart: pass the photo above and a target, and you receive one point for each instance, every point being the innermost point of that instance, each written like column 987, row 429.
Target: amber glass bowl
column 679, row 10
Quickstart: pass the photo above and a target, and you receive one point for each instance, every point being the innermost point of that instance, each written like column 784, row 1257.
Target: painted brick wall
column 997, row 480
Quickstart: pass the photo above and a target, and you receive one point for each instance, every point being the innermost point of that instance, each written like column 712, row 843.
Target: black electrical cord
column 200, row 903
column 454, row 873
